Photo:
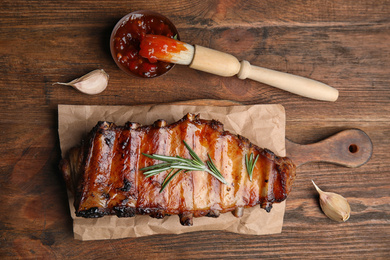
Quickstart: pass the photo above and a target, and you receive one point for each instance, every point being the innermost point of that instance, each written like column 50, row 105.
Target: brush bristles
column 184, row 57
column 158, row 47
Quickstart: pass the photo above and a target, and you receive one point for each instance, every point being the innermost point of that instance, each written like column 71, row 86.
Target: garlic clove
column 92, row 83
column 335, row 206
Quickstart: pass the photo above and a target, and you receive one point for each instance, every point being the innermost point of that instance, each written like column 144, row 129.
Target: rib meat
column 104, row 172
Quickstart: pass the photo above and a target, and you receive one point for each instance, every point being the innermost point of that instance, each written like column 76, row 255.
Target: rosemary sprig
column 176, row 164
column 250, row 164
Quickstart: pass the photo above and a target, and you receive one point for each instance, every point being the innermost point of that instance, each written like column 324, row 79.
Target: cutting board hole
column 353, row 148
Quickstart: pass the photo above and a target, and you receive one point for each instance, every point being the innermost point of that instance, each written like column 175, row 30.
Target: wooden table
column 345, row 44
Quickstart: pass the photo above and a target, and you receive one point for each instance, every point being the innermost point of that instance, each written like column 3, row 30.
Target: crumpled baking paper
column 263, row 125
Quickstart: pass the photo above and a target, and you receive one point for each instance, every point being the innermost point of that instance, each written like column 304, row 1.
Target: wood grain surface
column 345, row 44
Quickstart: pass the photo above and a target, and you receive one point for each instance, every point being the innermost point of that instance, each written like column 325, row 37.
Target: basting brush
column 157, row 47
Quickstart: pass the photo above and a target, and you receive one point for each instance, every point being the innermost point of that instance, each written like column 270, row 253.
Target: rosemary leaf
column 253, row 166
column 161, row 157
column 250, row 164
column 186, row 167
column 215, row 172
column 192, row 153
column 218, row 177
column 212, row 166
column 158, row 170
column 155, row 166
column 167, row 180
column 246, row 162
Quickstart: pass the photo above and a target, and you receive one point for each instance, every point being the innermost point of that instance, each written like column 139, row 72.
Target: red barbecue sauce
column 127, row 41
column 158, row 47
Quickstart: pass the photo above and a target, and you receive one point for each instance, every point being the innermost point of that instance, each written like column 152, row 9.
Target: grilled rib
column 104, row 172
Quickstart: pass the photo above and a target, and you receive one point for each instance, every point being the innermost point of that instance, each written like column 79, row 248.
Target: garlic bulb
column 335, row 206
column 92, row 83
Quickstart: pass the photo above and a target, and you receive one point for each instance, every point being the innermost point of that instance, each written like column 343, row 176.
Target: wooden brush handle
column 350, row 148
column 223, row 64
column 215, row 62
column 288, row 82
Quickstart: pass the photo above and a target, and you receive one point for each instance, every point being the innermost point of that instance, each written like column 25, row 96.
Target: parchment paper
column 263, row 125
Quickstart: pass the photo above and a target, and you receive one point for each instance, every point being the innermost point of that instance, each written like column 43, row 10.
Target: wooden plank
column 342, row 43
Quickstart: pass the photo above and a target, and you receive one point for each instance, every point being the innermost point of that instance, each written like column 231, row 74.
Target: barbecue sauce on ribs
column 104, row 172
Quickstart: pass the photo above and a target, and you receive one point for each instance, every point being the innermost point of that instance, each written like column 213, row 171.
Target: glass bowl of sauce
column 126, row 38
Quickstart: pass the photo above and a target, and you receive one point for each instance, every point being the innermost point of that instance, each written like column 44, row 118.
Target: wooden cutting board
column 350, row 148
